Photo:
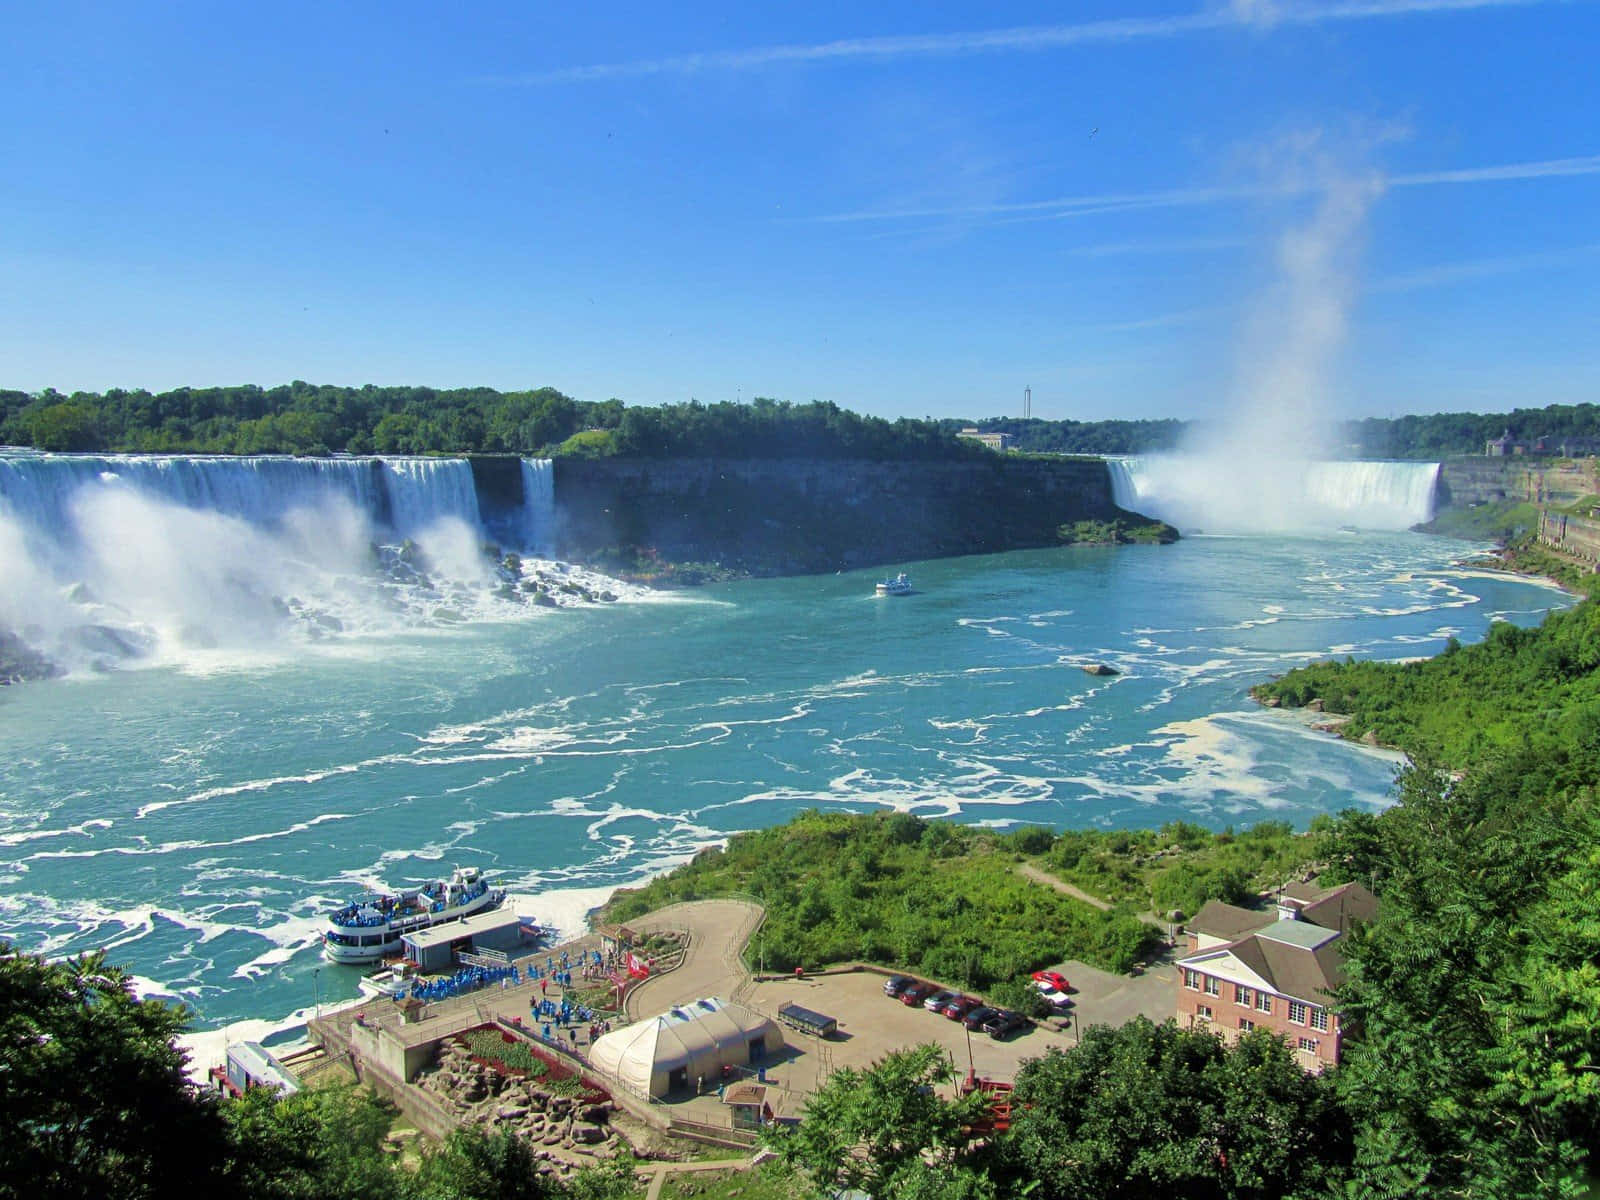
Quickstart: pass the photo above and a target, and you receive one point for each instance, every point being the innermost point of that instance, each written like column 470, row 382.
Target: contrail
column 1027, row 39
column 1076, row 206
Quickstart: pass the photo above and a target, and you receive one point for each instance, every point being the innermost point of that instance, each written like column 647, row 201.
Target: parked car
column 960, row 1007
column 897, row 984
column 938, row 1000
column 1005, row 1024
column 1059, row 1001
column 917, row 993
column 976, row 1018
column 1051, row 981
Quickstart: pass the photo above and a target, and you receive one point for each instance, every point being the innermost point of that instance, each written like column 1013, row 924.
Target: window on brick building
column 1203, row 1011
column 1213, row 985
column 1241, row 995
column 1263, row 1002
column 1246, row 1024
column 1319, row 1019
column 1309, row 1045
column 1297, row 1012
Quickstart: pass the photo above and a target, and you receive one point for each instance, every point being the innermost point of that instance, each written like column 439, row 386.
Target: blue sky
column 906, row 209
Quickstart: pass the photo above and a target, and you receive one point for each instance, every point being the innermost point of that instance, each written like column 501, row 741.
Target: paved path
column 662, row 1170
column 718, row 931
column 1029, row 871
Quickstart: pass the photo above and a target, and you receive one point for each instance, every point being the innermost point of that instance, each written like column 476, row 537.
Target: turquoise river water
column 199, row 815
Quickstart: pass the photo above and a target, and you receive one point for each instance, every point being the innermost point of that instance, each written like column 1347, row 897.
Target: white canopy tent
column 685, row 1045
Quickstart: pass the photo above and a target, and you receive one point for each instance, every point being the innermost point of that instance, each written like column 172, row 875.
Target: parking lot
column 871, row 1024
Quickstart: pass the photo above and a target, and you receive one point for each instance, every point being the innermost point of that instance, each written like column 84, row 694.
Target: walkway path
column 712, row 966
column 662, row 1170
column 1029, row 871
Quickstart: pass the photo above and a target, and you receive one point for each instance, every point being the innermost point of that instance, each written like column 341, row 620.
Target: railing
column 485, row 958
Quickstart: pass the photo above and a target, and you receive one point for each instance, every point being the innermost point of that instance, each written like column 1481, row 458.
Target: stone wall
column 780, row 516
column 1468, row 480
column 1577, row 536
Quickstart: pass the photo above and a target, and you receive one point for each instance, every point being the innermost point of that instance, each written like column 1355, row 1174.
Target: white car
column 1059, row 1001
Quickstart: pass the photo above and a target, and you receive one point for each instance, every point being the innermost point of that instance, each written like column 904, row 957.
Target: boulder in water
column 21, row 663
column 1100, row 669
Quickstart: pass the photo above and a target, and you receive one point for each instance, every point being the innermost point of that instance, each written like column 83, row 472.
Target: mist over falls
column 120, row 558
column 1199, row 492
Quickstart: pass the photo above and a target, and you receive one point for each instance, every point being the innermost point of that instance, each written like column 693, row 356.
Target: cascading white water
column 1193, row 491
column 106, row 558
column 404, row 495
column 538, row 502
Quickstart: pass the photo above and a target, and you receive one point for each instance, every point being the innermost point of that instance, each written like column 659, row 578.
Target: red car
column 1053, row 981
column 958, row 1008
column 917, row 993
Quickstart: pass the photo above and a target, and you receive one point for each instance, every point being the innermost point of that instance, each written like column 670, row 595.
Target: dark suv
column 1004, row 1024
column 896, row 984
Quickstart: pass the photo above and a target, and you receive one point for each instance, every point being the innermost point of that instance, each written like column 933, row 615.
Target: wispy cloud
column 1065, row 207
column 1159, row 246
column 1240, row 14
column 1446, row 274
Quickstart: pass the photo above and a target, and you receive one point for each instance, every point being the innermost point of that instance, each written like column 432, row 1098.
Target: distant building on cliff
column 1247, row 970
column 995, row 441
column 1504, row 446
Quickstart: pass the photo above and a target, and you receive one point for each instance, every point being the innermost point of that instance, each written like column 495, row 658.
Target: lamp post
column 316, row 995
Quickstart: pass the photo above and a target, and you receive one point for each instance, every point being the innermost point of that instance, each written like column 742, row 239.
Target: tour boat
column 900, row 585
column 370, row 928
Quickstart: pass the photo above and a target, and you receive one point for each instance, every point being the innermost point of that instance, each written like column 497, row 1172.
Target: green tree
column 886, row 1127
column 93, row 1098
column 1149, row 1110
column 473, row 1164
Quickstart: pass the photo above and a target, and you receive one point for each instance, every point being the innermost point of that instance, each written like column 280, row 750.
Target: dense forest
column 303, row 418
column 300, row 418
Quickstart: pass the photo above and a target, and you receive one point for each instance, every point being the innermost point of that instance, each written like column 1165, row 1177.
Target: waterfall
column 107, row 558
column 403, row 495
column 420, row 491
column 538, row 502
column 1192, row 491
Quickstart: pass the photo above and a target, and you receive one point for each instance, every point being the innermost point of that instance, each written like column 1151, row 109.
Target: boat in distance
column 369, row 928
column 900, row 585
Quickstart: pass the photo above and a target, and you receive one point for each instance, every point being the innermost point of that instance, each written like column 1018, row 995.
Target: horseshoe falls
column 1217, row 494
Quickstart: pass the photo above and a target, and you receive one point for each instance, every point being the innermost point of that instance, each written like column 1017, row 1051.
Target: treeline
column 1441, row 434
column 302, row 418
column 1527, row 692
column 1425, row 438
column 1036, row 436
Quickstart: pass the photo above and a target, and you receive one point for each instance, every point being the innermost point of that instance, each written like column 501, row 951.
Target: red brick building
column 1250, row 970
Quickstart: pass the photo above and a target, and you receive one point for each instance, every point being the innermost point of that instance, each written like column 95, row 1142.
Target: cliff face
column 1466, row 481
column 776, row 516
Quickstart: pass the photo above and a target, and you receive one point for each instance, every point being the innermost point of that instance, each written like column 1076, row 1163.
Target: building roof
column 1296, row 955
column 745, row 1093
column 690, row 1033
column 1303, row 972
column 1226, row 921
column 1332, row 907
column 450, row 931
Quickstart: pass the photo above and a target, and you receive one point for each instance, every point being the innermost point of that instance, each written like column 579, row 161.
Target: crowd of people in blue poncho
column 556, row 1016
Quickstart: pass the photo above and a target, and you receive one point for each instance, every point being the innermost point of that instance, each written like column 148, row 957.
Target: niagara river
column 199, row 811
